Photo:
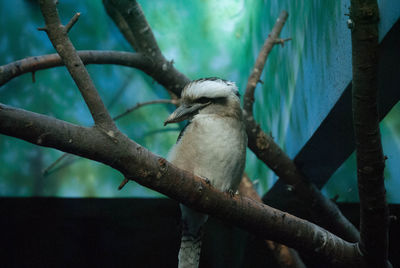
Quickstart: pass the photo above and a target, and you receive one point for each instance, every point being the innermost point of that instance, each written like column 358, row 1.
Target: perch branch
column 59, row 38
column 374, row 221
column 137, row 106
column 154, row 172
column 285, row 256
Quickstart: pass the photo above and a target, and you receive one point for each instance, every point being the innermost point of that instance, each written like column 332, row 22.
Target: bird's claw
column 231, row 192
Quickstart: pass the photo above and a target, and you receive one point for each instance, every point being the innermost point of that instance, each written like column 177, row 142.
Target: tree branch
column 72, row 22
column 286, row 257
column 154, row 172
column 248, row 98
column 58, row 36
column 324, row 212
column 129, row 110
column 374, row 218
column 129, row 18
column 141, row 104
column 121, row 24
column 33, row 64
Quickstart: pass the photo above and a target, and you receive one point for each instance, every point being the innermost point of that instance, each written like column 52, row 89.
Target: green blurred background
column 302, row 80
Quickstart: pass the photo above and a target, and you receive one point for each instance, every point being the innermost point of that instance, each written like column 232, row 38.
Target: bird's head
column 207, row 96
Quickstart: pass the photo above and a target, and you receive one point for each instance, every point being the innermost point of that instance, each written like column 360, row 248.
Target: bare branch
column 282, row 41
column 129, row 14
column 61, row 42
column 374, row 223
column 58, row 160
column 324, row 212
column 285, row 257
column 121, row 24
column 72, row 22
column 141, row 104
column 260, row 62
column 33, row 64
column 123, row 183
column 137, row 106
column 154, row 172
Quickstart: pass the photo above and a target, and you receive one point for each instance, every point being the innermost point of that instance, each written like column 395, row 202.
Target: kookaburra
column 212, row 146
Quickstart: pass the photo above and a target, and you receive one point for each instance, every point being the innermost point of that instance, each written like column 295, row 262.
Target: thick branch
column 135, row 162
column 59, row 38
column 121, row 24
column 324, row 212
column 370, row 159
column 126, row 13
column 285, row 256
column 33, row 64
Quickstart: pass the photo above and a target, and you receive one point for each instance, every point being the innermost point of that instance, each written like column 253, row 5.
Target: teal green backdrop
column 301, row 82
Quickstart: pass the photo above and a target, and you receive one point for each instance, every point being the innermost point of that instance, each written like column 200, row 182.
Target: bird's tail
column 192, row 234
column 189, row 253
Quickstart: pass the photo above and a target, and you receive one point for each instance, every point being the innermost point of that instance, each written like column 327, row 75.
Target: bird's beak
column 184, row 111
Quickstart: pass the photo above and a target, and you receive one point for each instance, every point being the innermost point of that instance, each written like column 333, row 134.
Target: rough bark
column 370, row 160
column 286, row 257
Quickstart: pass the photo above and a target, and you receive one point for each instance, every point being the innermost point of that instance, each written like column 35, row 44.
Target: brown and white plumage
column 212, row 146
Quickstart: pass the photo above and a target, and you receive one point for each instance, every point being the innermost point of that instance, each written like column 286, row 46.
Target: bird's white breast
column 213, row 147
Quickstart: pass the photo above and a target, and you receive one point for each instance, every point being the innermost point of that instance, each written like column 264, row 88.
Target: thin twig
column 123, row 183
column 72, row 22
column 282, row 41
column 260, row 62
column 58, row 160
column 44, row 29
column 141, row 104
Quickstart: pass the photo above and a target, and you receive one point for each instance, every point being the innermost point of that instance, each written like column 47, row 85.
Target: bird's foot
column 231, row 192
column 207, row 181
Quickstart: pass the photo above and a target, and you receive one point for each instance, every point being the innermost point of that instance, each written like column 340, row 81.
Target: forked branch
column 58, row 36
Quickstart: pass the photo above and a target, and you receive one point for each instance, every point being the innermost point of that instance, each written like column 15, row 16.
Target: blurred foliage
column 204, row 38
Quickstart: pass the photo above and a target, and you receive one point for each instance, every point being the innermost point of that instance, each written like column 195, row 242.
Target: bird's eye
column 203, row 100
